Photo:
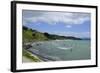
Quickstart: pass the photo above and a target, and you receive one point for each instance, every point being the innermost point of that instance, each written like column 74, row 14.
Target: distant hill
column 34, row 35
column 85, row 38
column 55, row 37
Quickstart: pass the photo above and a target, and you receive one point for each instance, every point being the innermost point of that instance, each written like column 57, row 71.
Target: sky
column 61, row 23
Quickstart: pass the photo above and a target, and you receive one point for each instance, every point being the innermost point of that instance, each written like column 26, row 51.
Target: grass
column 27, row 35
column 30, row 56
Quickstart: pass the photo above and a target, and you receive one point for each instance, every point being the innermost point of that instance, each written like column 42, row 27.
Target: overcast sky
column 62, row 23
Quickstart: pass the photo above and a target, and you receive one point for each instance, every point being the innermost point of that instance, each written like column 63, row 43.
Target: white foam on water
column 65, row 48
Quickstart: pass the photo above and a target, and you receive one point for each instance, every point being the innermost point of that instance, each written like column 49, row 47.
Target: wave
column 65, row 48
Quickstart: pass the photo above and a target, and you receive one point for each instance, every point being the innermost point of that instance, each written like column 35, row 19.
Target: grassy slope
column 30, row 56
column 28, row 37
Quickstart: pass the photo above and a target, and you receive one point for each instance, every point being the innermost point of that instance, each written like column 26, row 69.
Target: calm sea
column 60, row 50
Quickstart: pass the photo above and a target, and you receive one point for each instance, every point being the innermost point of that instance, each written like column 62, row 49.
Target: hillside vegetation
column 30, row 35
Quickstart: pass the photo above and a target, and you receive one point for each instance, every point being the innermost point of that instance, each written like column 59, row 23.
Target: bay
column 62, row 50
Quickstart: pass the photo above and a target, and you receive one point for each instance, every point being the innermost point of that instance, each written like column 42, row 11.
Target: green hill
column 30, row 35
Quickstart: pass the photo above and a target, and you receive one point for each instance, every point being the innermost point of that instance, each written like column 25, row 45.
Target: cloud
column 54, row 18
column 68, row 26
column 76, row 34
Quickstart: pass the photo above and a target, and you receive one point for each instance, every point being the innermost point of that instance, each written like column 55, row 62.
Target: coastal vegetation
column 34, row 35
column 28, row 55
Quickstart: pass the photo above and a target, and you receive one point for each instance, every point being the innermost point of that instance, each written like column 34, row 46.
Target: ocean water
column 62, row 50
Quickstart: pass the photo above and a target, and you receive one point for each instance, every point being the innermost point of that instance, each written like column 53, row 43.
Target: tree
column 46, row 34
column 33, row 34
column 25, row 28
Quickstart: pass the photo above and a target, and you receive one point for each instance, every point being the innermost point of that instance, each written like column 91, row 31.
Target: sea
column 62, row 50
